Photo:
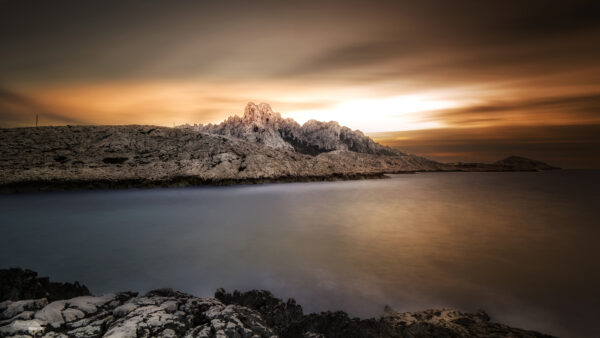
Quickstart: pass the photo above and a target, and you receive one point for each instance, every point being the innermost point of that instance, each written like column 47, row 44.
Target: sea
column 524, row 247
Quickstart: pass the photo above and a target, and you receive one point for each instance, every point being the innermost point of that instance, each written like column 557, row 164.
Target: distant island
column 259, row 147
column 31, row 307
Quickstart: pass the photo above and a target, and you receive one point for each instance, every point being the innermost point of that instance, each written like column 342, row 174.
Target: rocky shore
column 34, row 307
column 261, row 147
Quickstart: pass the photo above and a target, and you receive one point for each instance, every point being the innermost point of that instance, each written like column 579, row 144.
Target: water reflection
column 522, row 246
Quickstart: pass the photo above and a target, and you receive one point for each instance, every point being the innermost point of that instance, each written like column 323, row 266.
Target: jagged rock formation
column 260, row 124
column 168, row 313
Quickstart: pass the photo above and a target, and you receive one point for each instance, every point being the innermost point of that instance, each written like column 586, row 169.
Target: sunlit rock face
column 260, row 124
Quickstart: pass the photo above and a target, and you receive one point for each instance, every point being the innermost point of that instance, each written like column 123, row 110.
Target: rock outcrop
column 257, row 148
column 169, row 313
column 260, row 124
column 86, row 157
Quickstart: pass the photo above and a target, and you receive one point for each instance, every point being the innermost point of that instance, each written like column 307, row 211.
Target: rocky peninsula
column 258, row 147
column 34, row 307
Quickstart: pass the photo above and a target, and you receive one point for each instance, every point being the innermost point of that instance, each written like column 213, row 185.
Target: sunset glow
column 382, row 114
column 394, row 67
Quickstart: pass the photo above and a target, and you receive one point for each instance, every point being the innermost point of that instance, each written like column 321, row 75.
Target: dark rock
column 165, row 292
column 18, row 284
column 512, row 163
column 60, row 159
column 170, row 313
column 278, row 314
column 114, row 160
column 287, row 320
column 524, row 164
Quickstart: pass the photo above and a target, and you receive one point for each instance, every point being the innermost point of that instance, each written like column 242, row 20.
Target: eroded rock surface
column 256, row 313
column 160, row 313
column 260, row 124
column 168, row 313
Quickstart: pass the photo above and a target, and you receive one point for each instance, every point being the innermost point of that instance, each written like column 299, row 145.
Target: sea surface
column 525, row 247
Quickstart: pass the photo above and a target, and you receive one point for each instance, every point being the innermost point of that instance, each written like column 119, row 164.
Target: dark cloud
column 107, row 40
column 578, row 108
column 568, row 146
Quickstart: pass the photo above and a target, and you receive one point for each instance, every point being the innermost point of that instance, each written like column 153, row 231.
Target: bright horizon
column 454, row 82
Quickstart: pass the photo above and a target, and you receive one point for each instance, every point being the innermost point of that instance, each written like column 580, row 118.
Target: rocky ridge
column 258, row 148
column 261, row 125
column 86, row 157
column 257, row 313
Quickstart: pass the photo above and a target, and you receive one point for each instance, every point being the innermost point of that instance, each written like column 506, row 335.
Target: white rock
column 51, row 314
column 11, row 309
column 32, row 327
column 71, row 315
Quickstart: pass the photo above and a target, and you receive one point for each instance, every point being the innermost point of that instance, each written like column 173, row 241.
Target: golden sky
column 444, row 80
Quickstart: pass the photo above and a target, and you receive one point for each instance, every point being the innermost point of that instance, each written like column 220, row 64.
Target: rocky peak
column 260, row 114
column 261, row 125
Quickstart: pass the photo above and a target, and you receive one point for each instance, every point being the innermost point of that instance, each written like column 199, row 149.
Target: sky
column 450, row 80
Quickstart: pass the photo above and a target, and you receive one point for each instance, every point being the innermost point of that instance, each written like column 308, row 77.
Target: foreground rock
column 168, row 313
column 260, row 147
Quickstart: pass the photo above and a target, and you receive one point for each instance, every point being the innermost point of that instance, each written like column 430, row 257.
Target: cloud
column 568, row 146
column 575, row 109
column 504, row 63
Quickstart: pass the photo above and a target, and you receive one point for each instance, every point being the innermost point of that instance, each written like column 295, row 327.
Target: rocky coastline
column 174, row 182
column 259, row 147
column 31, row 306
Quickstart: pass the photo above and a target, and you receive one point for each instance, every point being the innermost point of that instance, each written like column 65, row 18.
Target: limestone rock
column 259, row 147
column 260, row 124
column 252, row 314
column 160, row 156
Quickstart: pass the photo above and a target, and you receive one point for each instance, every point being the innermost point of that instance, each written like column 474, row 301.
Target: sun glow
column 408, row 112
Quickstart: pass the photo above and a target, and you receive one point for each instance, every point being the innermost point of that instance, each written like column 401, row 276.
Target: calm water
column 522, row 246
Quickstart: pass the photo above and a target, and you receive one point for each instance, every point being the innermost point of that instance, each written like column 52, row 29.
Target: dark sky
column 453, row 80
